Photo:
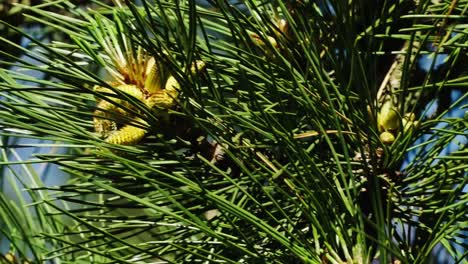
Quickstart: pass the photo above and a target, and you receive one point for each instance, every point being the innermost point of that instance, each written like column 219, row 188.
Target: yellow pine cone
column 102, row 117
column 153, row 77
column 151, row 94
column 100, row 89
column 127, row 135
column 166, row 98
column 161, row 99
column 132, row 90
column 129, row 89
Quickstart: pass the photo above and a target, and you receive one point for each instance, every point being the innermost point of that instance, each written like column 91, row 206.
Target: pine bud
column 409, row 126
column 387, row 138
column 409, row 122
column 388, row 118
column 410, row 116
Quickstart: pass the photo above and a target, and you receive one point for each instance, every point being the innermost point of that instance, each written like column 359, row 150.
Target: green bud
column 388, row 118
column 387, row 138
column 409, row 125
column 410, row 116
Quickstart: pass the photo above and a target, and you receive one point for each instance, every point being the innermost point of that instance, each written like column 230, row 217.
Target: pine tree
column 263, row 132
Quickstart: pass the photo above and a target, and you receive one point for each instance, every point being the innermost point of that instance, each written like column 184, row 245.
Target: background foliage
column 273, row 153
